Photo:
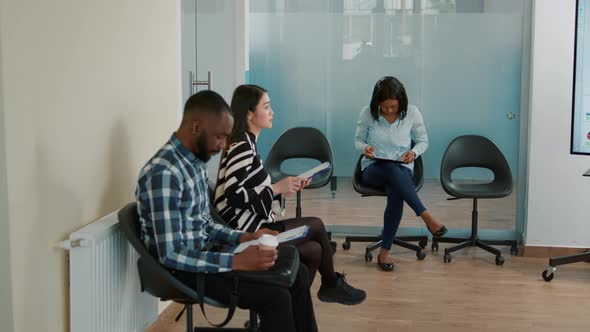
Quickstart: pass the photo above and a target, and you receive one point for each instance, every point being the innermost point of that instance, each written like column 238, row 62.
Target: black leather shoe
column 385, row 266
column 441, row 232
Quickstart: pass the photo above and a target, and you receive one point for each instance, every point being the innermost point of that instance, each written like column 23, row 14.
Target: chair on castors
column 402, row 241
column 300, row 142
column 475, row 151
column 159, row 282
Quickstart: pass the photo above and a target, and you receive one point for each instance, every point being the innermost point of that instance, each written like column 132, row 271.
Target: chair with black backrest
column 159, row 282
column 475, row 151
column 301, row 143
column 402, row 241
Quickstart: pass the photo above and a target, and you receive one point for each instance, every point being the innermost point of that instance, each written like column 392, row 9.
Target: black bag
column 282, row 274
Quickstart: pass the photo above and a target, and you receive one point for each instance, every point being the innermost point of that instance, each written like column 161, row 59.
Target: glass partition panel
column 461, row 66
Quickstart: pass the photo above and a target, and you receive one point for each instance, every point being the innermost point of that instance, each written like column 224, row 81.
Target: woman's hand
column 253, row 236
column 289, row 185
column 305, row 183
column 409, row 157
column 369, row 151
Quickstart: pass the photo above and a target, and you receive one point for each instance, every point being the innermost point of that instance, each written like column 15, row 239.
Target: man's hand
column 253, row 236
column 408, row 157
column 369, row 151
column 253, row 259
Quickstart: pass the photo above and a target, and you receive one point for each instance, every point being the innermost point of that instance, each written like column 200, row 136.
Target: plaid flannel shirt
column 173, row 204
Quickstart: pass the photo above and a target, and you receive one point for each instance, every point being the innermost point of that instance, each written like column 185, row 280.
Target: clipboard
column 316, row 170
column 292, row 234
column 387, row 159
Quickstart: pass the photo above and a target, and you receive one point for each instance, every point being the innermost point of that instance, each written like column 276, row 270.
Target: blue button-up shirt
column 173, row 204
column 391, row 140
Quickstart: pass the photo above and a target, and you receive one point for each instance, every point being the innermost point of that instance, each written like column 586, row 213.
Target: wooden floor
column 349, row 208
column 469, row 294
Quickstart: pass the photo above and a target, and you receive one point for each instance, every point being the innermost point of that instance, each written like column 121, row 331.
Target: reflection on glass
column 460, row 62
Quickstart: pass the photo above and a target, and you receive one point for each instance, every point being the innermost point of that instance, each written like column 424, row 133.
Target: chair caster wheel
column 434, row 246
column 368, row 257
column 423, row 243
column 548, row 274
column 447, row 258
column 514, row 250
column 420, row 255
column 499, row 260
column 345, row 245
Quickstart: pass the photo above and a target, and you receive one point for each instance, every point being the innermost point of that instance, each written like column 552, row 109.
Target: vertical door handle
column 194, row 82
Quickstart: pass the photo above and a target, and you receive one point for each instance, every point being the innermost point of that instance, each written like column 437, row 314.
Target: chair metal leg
column 464, row 244
column 298, row 207
column 333, row 186
column 378, row 240
column 253, row 323
column 250, row 326
column 548, row 274
column 488, row 248
column 449, row 240
column 180, row 314
column 189, row 318
column 406, row 245
column 475, row 241
column 561, row 260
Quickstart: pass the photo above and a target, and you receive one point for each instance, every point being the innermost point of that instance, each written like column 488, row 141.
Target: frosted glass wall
column 463, row 70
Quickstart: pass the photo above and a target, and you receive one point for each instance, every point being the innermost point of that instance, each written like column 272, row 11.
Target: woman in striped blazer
column 247, row 200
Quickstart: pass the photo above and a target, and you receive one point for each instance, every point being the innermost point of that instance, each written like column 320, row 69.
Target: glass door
column 213, row 53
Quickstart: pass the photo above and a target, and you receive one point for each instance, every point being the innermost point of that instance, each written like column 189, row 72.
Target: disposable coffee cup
column 267, row 242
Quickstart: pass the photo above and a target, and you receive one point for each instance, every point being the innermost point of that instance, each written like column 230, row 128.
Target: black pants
column 315, row 250
column 280, row 308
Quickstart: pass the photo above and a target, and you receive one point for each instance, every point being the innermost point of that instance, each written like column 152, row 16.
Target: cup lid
column 268, row 240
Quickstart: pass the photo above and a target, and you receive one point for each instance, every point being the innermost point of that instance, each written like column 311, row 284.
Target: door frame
column 241, row 41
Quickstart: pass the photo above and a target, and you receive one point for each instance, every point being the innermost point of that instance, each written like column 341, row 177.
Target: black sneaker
column 342, row 293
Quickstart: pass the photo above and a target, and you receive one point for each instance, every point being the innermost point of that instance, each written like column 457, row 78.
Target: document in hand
column 388, row 159
column 316, row 170
column 292, row 234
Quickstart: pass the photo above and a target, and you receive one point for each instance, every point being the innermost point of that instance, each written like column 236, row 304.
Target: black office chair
column 475, row 151
column 554, row 262
column 402, row 241
column 159, row 282
column 300, row 142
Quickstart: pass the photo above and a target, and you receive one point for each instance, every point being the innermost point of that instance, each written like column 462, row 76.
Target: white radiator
column 104, row 286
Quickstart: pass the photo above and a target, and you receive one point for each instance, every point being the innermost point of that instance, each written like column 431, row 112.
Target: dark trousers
column 315, row 250
column 280, row 308
column 396, row 179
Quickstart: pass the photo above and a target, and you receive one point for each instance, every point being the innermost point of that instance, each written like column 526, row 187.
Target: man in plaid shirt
column 176, row 225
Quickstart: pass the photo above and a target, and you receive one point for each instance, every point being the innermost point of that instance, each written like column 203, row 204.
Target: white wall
column 90, row 93
column 558, row 195
column 5, row 284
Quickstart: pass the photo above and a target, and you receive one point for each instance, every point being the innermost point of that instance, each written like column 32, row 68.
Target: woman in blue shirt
column 384, row 134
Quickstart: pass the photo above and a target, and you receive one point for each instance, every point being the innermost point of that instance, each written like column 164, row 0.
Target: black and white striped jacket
column 243, row 193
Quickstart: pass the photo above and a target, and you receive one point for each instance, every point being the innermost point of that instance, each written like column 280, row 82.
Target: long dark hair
column 245, row 99
column 388, row 87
